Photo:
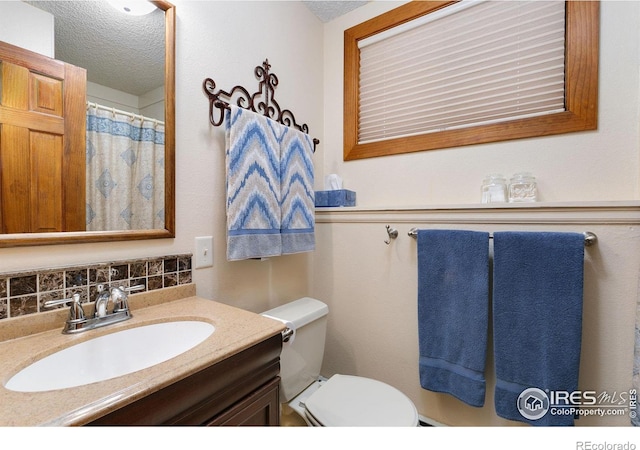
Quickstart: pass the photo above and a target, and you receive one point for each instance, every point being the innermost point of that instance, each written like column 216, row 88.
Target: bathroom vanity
column 239, row 390
column 231, row 378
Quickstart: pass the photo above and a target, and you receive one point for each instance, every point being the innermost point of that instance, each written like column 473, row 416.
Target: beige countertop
column 24, row 342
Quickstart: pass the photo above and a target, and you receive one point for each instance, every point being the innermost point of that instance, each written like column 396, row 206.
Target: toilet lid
column 350, row 401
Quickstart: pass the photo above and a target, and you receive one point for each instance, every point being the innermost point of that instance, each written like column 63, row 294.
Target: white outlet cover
column 204, row 252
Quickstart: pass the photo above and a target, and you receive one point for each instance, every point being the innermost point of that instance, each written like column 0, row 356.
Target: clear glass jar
column 494, row 189
column 523, row 188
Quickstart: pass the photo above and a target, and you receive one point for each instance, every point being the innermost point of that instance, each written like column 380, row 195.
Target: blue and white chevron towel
column 270, row 196
column 297, row 194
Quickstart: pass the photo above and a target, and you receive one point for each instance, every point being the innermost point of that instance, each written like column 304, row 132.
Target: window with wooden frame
column 438, row 74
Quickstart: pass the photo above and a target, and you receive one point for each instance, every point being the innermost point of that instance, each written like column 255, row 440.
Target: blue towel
column 453, row 308
column 537, row 321
column 297, row 195
column 253, row 185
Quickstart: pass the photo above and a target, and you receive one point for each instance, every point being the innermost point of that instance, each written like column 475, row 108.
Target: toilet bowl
column 351, row 401
column 341, row 400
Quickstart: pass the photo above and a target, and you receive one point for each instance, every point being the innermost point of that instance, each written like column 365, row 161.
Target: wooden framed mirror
column 76, row 233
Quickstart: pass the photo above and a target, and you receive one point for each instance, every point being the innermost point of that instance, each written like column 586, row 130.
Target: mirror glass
column 129, row 62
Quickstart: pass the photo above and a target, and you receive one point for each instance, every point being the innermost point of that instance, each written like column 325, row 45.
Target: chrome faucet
column 102, row 316
column 102, row 302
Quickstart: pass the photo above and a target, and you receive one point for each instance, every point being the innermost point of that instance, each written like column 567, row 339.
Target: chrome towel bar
column 589, row 237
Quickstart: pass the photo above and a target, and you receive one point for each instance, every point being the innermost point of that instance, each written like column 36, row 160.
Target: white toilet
column 341, row 400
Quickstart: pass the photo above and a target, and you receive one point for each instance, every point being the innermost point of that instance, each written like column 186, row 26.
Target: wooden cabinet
column 240, row 390
column 257, row 409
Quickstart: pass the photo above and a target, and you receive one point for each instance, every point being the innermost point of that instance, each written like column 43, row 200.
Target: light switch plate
column 204, row 252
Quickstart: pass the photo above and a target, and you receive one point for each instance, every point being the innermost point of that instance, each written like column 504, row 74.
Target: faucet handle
column 137, row 287
column 52, row 303
column 62, row 301
column 119, row 299
column 75, row 311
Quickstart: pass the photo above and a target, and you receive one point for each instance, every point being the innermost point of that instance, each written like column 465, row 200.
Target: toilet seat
column 351, row 401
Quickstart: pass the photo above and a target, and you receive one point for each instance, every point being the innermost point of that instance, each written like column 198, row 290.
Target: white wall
column 223, row 40
column 364, row 281
column 371, row 291
column 150, row 104
column 28, row 27
column 371, row 288
column 112, row 98
column 586, row 166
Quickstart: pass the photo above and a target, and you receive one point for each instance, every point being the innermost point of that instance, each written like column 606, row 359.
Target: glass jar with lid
column 494, row 189
column 523, row 188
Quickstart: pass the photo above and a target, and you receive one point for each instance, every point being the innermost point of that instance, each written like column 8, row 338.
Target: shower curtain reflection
column 125, row 170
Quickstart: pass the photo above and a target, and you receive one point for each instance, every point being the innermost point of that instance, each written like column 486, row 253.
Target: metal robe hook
column 392, row 232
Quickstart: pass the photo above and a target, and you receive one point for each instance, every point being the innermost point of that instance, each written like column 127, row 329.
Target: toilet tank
column 301, row 357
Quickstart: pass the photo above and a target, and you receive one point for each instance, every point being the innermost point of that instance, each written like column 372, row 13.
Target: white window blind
column 469, row 64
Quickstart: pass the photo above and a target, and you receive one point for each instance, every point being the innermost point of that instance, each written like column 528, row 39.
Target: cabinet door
column 241, row 389
column 261, row 408
column 42, row 150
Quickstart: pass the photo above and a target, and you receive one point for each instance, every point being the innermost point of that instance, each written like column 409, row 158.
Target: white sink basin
column 111, row 356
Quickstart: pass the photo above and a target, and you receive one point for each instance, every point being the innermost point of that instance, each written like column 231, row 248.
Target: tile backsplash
column 26, row 292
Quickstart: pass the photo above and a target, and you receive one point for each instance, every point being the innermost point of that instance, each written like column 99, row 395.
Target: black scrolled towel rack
column 261, row 102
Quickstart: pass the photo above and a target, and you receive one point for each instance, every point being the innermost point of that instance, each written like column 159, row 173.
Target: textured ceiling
column 119, row 51
column 329, row 10
column 127, row 52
